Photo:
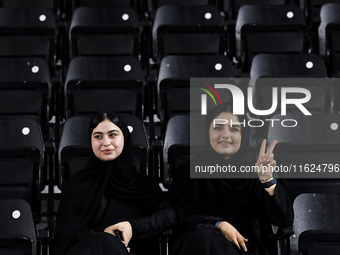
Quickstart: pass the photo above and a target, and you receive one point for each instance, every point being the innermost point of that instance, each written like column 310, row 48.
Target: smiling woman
column 229, row 216
column 107, row 141
column 109, row 195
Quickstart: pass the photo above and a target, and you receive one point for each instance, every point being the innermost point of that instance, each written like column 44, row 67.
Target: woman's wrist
column 266, row 179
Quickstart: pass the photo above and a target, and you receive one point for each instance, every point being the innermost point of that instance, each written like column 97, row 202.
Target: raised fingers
column 271, row 147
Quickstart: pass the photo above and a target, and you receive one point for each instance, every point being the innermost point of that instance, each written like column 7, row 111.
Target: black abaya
column 243, row 203
column 106, row 193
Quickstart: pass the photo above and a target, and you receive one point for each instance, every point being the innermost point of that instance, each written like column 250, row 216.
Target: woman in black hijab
column 107, row 195
column 229, row 215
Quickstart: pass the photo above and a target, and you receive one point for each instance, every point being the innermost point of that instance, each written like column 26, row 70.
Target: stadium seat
column 28, row 32
column 17, row 233
column 310, row 150
column 105, row 32
column 269, row 29
column 152, row 5
column 21, row 161
column 75, row 148
column 99, row 83
column 181, row 143
column 173, row 84
column 231, row 7
column 316, row 224
column 26, row 89
column 188, row 30
column 329, row 36
column 304, row 65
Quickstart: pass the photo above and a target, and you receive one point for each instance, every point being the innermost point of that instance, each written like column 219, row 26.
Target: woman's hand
column 265, row 162
column 232, row 234
column 124, row 227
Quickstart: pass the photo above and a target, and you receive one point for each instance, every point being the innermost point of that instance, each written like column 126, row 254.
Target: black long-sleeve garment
column 242, row 202
column 105, row 193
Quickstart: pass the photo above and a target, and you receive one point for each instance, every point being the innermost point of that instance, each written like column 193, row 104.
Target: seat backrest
column 329, row 36
column 309, row 152
column 176, row 27
column 173, row 84
column 26, row 87
column 269, row 29
column 21, row 160
column 105, row 32
column 316, row 224
column 231, row 7
column 183, row 139
column 303, row 65
column 75, row 148
column 17, row 232
column 99, row 83
column 28, row 32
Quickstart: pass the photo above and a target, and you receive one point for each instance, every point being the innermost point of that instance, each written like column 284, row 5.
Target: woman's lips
column 107, row 151
column 225, row 143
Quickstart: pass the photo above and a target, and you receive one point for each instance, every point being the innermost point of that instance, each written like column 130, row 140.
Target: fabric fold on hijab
column 83, row 192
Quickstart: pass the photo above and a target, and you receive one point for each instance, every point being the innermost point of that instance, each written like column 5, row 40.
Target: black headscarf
column 117, row 178
column 206, row 200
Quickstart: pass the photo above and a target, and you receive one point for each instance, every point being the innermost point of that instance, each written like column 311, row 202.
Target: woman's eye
column 113, row 135
column 98, row 137
column 218, row 128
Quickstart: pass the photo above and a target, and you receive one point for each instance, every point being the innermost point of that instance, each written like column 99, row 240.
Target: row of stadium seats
column 174, row 30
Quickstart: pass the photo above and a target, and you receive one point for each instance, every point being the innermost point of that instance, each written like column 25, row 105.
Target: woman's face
column 225, row 139
column 107, row 141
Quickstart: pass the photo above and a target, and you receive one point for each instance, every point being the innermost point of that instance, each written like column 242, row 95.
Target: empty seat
column 26, row 87
column 269, row 29
column 316, row 224
column 173, row 84
column 329, row 37
column 311, row 150
column 75, row 147
column 21, row 161
column 27, row 33
column 304, row 65
column 104, row 83
column 183, row 139
column 105, row 32
column 231, row 7
column 312, row 9
column 152, row 5
column 17, row 233
column 188, row 30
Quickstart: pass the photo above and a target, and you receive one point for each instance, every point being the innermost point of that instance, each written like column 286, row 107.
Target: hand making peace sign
column 265, row 162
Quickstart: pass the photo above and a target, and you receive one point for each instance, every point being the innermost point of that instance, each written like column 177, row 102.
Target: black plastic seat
column 17, row 233
column 304, row 65
column 105, row 32
column 173, row 85
column 329, row 37
column 100, row 83
column 26, row 89
column 21, row 161
column 310, row 150
column 188, row 30
column 152, row 5
column 317, row 224
column 75, row 147
column 231, row 7
column 181, row 143
column 269, row 29
column 28, row 32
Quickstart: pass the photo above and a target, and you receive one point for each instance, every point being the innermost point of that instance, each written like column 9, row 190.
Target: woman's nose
column 225, row 133
column 106, row 141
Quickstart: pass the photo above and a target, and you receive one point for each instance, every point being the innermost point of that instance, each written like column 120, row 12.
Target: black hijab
column 117, row 178
column 206, row 200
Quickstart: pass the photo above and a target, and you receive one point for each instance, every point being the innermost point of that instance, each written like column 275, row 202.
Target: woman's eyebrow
column 98, row 132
